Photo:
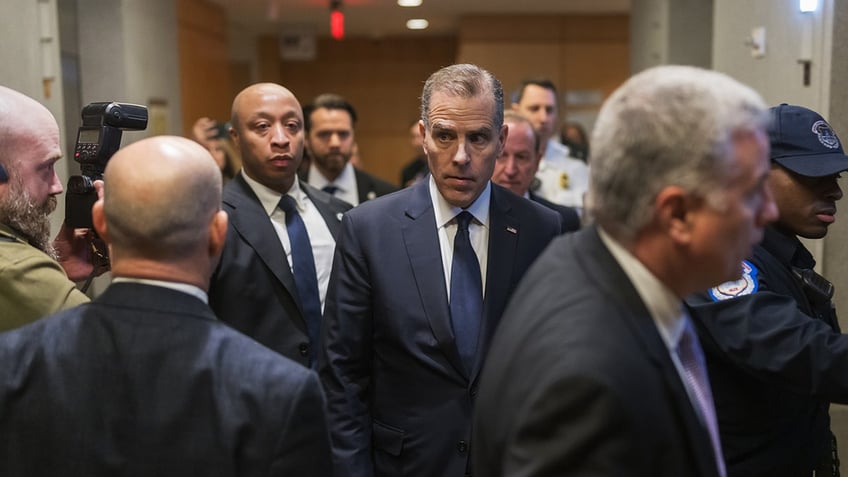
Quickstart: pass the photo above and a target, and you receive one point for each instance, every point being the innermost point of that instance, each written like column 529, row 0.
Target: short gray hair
column 464, row 81
column 669, row 125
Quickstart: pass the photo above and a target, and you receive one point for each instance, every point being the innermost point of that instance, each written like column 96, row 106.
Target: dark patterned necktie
column 466, row 293
column 303, row 269
column 330, row 189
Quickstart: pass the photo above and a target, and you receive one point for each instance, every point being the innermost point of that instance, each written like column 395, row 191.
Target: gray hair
column 669, row 125
column 464, row 81
column 514, row 117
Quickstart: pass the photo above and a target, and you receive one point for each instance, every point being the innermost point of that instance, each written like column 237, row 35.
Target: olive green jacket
column 32, row 285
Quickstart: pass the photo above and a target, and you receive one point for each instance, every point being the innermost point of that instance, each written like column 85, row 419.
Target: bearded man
column 35, row 274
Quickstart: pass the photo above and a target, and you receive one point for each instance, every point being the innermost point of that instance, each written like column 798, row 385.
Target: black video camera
column 98, row 138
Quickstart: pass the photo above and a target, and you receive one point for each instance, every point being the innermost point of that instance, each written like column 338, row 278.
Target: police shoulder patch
column 749, row 283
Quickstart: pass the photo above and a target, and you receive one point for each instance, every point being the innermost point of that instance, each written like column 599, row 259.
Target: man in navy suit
column 329, row 122
column 254, row 289
column 144, row 380
column 419, row 282
column 596, row 368
column 517, row 165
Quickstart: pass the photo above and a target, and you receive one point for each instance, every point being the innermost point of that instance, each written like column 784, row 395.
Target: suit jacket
column 253, row 289
column 570, row 217
column 367, row 186
column 145, row 381
column 579, row 381
column 370, row 186
column 399, row 397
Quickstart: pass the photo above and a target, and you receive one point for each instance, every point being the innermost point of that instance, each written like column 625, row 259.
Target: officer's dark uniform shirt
column 774, row 362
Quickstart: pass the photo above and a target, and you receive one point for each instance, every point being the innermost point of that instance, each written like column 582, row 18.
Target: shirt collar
column 270, row 199
column 189, row 289
column 7, row 231
column 445, row 212
column 346, row 181
column 663, row 305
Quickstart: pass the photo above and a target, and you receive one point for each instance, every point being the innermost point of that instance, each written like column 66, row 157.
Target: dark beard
column 19, row 211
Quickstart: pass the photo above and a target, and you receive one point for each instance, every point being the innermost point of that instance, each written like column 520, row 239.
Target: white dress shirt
column 564, row 179
column 665, row 308
column 346, row 187
column 323, row 244
column 478, row 230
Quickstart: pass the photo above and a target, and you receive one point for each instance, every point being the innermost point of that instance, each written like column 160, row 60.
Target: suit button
column 473, row 392
column 303, row 348
column 462, row 447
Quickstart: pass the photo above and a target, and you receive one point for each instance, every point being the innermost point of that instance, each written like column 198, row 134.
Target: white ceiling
column 376, row 18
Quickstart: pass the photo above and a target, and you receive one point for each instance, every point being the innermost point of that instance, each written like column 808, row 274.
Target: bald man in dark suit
column 255, row 288
column 145, row 380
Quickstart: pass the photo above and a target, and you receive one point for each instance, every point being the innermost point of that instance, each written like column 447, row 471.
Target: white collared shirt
column 346, row 187
column 478, row 230
column 323, row 244
column 665, row 307
column 186, row 288
column 564, row 179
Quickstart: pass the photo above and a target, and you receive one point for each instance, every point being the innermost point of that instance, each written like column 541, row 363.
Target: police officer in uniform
column 775, row 355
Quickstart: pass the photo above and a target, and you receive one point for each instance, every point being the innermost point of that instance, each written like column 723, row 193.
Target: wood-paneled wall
column 576, row 52
column 205, row 69
column 382, row 78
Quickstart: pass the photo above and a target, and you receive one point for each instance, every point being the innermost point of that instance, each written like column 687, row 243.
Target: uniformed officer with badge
column 775, row 354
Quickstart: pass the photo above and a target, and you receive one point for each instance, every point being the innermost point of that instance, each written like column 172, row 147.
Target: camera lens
column 80, row 185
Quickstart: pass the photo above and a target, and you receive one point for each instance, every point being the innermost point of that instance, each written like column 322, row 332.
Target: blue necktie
column 330, row 189
column 303, row 269
column 466, row 293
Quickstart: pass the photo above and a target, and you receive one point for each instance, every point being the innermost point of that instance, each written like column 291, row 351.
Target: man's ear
column 502, row 137
column 673, row 208
column 217, row 233
column 98, row 218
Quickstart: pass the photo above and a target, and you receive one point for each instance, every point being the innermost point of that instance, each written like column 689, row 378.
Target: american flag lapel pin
column 512, row 230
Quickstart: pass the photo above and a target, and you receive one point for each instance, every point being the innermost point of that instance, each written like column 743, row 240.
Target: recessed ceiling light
column 417, row 24
column 409, row 3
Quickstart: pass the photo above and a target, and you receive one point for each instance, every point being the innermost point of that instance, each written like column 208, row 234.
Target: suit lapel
column 363, row 185
column 332, row 217
column 636, row 317
column 422, row 247
column 251, row 222
column 504, row 229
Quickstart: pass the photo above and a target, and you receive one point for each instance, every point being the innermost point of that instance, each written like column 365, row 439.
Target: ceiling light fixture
column 806, row 6
column 409, row 3
column 417, row 24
